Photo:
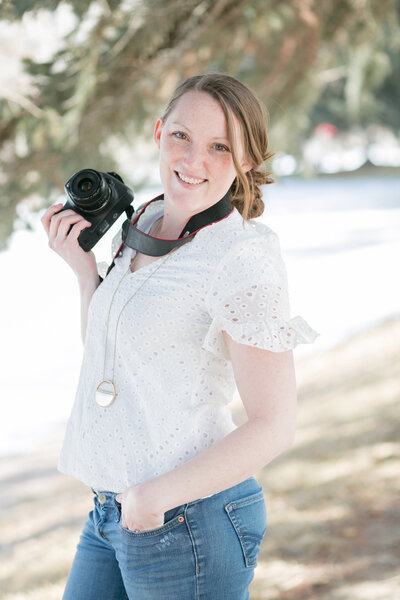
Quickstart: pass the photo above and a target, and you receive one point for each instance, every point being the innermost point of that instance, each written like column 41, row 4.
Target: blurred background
column 81, row 85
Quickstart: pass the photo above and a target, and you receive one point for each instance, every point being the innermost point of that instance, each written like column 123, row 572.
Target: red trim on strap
column 133, row 222
column 190, row 235
column 165, row 239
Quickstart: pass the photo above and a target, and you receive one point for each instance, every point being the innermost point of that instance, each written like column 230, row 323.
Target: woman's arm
column 87, row 287
column 267, row 386
column 63, row 229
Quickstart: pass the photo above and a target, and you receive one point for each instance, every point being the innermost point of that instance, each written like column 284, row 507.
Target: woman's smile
column 189, row 179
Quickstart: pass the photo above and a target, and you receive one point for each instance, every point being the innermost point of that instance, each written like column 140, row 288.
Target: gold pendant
column 105, row 393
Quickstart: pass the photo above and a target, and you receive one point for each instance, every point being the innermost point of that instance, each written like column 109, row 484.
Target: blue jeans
column 206, row 550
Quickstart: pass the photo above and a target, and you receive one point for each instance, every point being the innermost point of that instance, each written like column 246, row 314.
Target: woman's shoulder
column 235, row 236
column 229, row 239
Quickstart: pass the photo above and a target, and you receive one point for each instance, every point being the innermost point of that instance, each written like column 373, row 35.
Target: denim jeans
column 206, row 550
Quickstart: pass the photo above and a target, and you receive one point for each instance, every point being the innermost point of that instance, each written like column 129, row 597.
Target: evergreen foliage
column 113, row 73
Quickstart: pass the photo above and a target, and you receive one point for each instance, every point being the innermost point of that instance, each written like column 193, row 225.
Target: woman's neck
column 168, row 227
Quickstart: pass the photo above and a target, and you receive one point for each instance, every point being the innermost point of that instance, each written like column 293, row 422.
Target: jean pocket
column 249, row 519
column 172, row 518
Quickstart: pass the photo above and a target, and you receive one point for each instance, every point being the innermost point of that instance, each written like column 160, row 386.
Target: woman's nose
column 195, row 156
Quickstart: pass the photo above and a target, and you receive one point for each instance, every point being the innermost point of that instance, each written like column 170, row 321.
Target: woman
column 178, row 514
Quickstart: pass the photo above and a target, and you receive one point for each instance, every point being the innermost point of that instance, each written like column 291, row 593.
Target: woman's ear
column 246, row 165
column 157, row 132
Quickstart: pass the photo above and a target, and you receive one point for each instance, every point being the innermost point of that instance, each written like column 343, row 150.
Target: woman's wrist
column 89, row 281
column 152, row 495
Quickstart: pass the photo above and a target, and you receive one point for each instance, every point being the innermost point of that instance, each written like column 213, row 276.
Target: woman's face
column 196, row 164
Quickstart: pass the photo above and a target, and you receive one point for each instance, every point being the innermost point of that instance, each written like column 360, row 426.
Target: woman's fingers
column 136, row 517
column 46, row 218
column 61, row 224
column 63, row 229
column 66, row 224
column 77, row 228
column 57, row 219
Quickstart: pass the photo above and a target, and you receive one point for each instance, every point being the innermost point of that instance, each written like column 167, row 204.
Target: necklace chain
column 123, row 308
column 119, row 316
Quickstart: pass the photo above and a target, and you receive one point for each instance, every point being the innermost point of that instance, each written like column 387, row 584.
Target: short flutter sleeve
column 248, row 298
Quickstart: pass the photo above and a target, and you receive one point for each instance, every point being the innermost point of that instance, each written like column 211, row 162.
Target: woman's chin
column 187, row 201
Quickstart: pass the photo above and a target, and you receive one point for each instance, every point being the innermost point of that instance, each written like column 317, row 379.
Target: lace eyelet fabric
column 172, row 370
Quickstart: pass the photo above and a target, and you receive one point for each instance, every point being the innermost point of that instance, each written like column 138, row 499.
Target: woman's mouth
column 190, row 180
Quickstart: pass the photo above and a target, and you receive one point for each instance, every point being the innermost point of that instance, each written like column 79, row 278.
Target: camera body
column 99, row 197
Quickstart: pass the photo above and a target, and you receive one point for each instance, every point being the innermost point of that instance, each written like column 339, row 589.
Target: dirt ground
column 332, row 500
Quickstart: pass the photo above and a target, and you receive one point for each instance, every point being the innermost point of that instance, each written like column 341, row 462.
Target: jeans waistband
column 250, row 485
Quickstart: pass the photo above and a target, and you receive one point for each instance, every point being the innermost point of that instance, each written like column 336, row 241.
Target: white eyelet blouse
column 172, row 370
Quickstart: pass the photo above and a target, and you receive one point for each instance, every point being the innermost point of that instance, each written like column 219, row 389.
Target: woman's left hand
column 137, row 512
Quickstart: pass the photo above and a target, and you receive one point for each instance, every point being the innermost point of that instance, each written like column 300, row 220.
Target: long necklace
column 106, row 391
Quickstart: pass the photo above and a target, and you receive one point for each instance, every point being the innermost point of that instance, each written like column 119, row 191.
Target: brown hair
column 235, row 98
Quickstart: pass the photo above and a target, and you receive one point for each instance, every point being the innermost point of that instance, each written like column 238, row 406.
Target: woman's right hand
column 65, row 241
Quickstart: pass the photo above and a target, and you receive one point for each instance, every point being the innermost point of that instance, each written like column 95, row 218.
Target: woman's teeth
column 189, row 179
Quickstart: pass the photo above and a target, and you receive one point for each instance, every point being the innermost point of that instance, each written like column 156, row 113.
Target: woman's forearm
column 87, row 287
column 228, row 462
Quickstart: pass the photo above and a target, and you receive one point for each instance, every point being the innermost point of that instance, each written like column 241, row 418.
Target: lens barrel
column 89, row 190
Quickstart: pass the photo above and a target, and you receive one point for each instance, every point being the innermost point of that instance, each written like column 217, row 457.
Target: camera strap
column 154, row 246
column 142, row 242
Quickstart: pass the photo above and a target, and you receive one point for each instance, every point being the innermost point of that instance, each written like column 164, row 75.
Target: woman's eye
column 180, row 135
column 221, row 148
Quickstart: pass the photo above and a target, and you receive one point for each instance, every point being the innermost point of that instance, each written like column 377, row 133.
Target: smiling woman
column 235, row 123
column 196, row 163
column 178, row 513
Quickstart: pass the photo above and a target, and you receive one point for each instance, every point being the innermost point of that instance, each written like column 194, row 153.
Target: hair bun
column 255, row 180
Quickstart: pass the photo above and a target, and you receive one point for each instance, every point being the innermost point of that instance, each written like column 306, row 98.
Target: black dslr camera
column 99, row 197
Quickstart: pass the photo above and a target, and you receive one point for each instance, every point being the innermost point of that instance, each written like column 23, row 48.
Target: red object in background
column 326, row 130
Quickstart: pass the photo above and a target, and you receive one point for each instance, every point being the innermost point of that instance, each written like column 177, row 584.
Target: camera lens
column 89, row 190
column 85, row 185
